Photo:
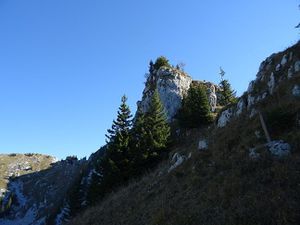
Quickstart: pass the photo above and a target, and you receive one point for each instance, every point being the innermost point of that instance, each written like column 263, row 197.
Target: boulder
column 225, row 117
column 202, row 145
column 279, row 148
column 296, row 90
column 297, row 66
column 284, row 60
column 176, row 161
column 290, row 72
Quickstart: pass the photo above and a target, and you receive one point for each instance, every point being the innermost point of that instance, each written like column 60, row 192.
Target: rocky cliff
column 172, row 84
column 278, row 70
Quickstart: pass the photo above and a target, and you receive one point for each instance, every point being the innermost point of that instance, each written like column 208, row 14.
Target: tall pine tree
column 113, row 168
column 226, row 94
column 157, row 129
column 118, row 141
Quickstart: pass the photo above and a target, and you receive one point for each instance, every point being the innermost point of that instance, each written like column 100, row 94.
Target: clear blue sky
column 64, row 64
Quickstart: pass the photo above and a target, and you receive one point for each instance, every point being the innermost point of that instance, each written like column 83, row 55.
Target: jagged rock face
column 172, row 84
column 276, row 69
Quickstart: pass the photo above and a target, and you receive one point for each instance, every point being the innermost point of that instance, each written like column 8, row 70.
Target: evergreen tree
column 138, row 150
column 157, row 130
column 118, row 140
column 195, row 110
column 113, row 168
column 227, row 95
column 160, row 62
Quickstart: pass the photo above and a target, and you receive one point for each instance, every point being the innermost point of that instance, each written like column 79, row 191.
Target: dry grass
column 36, row 161
column 221, row 185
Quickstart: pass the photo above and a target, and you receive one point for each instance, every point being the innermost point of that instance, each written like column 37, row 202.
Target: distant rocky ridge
column 37, row 187
column 15, row 165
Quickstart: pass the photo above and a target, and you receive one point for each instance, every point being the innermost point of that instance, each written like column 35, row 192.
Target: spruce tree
column 118, row 139
column 195, row 110
column 160, row 62
column 227, row 95
column 157, row 129
column 114, row 166
column 138, row 150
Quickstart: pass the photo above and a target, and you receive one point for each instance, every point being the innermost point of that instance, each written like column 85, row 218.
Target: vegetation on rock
column 195, row 110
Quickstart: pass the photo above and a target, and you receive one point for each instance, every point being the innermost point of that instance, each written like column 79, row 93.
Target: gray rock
column 212, row 98
column 279, row 148
column 202, row 145
column 297, row 66
column 290, row 72
column 253, row 113
column 271, row 83
column 253, row 154
column 240, row 107
column 225, row 117
column 250, row 87
column 251, row 101
column 296, row 90
column 257, row 134
column 278, row 67
column 176, row 161
column 291, row 56
column 284, row 60
column 171, row 84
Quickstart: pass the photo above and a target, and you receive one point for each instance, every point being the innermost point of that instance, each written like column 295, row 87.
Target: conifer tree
column 160, row 62
column 157, row 130
column 195, row 110
column 227, row 95
column 115, row 165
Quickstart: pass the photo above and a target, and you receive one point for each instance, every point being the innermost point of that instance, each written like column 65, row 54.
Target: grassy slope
column 36, row 161
column 221, row 185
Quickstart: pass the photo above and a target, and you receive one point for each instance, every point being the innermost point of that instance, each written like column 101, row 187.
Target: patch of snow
column 278, row 67
column 28, row 219
column 64, row 212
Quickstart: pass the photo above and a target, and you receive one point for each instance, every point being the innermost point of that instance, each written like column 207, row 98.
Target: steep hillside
column 235, row 172
column 15, row 165
column 38, row 188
